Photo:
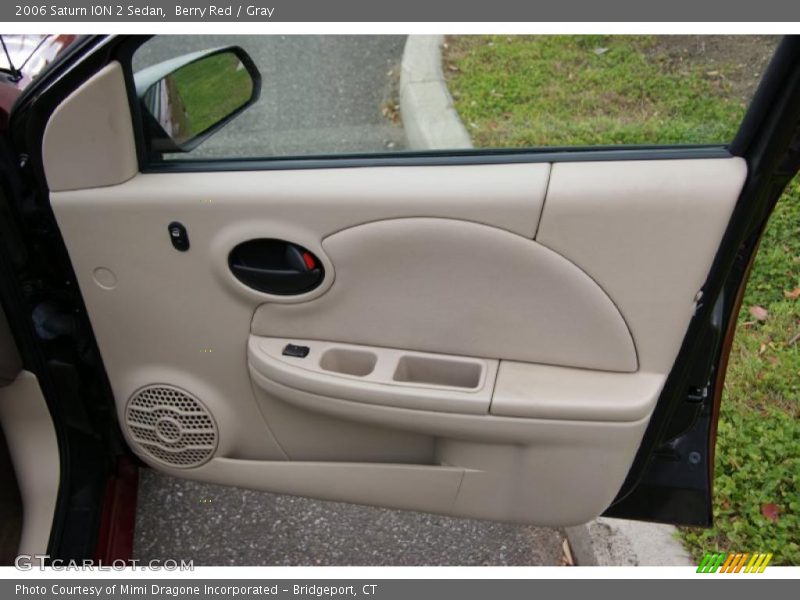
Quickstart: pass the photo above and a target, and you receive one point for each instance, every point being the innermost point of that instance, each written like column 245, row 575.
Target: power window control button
column 296, row 351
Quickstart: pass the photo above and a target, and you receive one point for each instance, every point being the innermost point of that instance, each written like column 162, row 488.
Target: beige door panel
column 568, row 480
column 88, row 141
column 32, row 444
column 166, row 317
column 452, row 287
column 488, row 428
column 548, row 392
column 513, row 377
column 507, row 482
column 544, row 471
column 403, row 486
column 379, row 375
column 647, row 232
column 454, row 384
column 310, row 434
column 548, row 432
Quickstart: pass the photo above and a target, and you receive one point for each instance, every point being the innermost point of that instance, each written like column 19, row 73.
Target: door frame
column 666, row 481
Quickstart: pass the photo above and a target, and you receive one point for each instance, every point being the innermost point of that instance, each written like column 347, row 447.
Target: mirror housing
column 187, row 99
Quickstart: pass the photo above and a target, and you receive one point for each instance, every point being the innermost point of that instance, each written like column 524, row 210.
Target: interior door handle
column 276, row 267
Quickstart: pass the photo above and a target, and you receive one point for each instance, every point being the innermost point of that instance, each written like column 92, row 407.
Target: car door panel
column 647, row 232
column 545, row 471
column 28, row 430
column 87, row 142
column 477, row 291
column 538, row 308
column 382, row 376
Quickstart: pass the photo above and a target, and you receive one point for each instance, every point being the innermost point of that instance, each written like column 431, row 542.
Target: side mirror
column 187, row 99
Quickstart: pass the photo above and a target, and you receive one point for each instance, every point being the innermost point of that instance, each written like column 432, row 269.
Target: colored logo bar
column 734, row 562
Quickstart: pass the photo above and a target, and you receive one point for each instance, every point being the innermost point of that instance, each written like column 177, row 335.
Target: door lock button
column 178, row 236
column 296, row 351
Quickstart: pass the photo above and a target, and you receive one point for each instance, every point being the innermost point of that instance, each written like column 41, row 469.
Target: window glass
column 333, row 95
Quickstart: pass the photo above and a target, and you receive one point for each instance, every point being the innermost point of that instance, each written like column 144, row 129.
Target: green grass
column 547, row 90
column 516, row 91
column 211, row 88
column 758, row 443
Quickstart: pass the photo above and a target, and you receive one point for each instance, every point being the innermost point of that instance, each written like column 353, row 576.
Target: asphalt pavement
column 321, row 94
column 217, row 525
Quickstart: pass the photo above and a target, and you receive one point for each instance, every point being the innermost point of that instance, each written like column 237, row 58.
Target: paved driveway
column 216, row 525
column 320, row 94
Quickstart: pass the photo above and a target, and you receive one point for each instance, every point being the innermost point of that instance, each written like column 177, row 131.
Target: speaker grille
column 171, row 426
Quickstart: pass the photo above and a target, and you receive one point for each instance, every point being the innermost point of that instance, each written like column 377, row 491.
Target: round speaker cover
column 171, row 426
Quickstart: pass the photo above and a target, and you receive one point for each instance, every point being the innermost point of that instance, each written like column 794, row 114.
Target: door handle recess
column 276, row 267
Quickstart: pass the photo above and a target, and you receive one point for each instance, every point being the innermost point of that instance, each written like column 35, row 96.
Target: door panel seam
column 544, row 201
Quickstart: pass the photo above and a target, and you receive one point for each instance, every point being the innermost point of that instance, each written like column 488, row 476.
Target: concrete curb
column 618, row 542
column 426, row 107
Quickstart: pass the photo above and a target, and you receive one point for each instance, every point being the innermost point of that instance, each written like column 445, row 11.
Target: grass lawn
column 514, row 91
column 757, row 483
column 212, row 88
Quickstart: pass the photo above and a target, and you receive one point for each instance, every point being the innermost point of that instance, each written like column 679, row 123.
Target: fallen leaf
column 794, row 339
column 793, row 295
column 600, row 51
column 771, row 511
column 566, row 555
column 762, row 349
column 759, row 313
column 391, row 110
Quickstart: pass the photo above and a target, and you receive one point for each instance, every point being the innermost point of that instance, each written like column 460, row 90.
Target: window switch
column 296, row 351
